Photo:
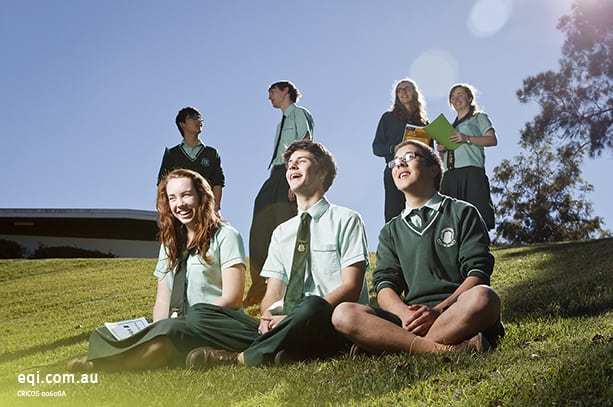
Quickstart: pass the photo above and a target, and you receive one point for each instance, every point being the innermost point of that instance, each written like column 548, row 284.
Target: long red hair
column 172, row 233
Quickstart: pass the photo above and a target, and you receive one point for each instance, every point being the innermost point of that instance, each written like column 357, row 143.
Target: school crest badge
column 446, row 238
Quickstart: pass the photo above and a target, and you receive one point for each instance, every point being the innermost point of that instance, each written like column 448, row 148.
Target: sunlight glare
column 487, row 17
column 434, row 71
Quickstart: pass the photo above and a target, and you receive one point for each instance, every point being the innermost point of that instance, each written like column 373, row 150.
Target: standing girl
column 408, row 108
column 465, row 176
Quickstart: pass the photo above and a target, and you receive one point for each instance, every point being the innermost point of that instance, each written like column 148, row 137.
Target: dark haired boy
column 432, row 274
column 192, row 154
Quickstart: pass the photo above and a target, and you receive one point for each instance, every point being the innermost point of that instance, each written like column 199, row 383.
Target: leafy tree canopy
column 543, row 197
column 577, row 102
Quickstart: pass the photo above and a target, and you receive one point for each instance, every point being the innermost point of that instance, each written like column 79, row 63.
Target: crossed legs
column 475, row 310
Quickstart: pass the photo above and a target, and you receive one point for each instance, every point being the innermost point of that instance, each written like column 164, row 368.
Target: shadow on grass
column 593, row 368
column 563, row 280
column 581, row 377
column 11, row 356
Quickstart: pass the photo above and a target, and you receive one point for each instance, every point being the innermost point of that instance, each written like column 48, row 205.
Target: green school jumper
column 428, row 266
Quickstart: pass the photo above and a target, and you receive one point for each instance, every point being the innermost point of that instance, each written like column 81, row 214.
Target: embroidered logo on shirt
column 205, row 162
column 447, row 238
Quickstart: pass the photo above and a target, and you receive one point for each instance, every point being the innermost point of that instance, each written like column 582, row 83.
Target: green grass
column 557, row 306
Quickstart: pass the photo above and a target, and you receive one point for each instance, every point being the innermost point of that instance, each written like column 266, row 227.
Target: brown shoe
column 79, row 364
column 477, row 343
column 206, row 358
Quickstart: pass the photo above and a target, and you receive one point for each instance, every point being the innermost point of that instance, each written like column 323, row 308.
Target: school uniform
column 272, row 205
column 204, row 324
column 203, row 159
column 425, row 265
column 337, row 241
column 467, row 179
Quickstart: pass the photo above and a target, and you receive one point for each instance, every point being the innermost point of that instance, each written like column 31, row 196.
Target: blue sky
column 90, row 89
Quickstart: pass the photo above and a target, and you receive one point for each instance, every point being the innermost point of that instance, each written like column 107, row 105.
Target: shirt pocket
column 324, row 259
column 289, row 129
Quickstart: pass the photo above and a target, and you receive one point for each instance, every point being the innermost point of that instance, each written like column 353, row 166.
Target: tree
column 537, row 190
column 577, row 102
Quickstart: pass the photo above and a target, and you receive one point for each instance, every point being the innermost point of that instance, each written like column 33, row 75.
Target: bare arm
column 390, row 301
column 489, row 139
column 352, row 278
column 424, row 316
column 233, row 287
column 162, row 301
column 466, row 285
column 275, row 291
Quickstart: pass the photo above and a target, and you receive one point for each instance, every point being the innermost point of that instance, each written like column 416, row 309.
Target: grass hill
column 557, row 306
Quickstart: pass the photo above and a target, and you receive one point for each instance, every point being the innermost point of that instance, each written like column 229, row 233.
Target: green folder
column 440, row 130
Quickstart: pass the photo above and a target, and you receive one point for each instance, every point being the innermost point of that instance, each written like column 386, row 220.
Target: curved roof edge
column 79, row 213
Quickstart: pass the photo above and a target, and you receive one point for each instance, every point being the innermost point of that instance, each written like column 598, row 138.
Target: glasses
column 197, row 118
column 410, row 156
column 406, row 89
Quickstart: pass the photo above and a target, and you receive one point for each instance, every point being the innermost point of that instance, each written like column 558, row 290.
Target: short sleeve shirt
column 338, row 240
column 204, row 279
column 298, row 125
column 470, row 155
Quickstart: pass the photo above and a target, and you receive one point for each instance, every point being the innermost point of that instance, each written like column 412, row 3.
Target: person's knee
column 481, row 299
column 345, row 316
column 488, row 297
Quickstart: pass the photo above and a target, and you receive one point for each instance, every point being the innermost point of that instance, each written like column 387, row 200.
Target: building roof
column 88, row 223
column 79, row 213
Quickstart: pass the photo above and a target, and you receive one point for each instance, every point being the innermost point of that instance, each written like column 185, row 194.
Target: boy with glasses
column 432, row 274
column 193, row 155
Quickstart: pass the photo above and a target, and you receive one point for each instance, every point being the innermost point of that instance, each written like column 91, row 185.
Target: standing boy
column 192, row 154
column 275, row 202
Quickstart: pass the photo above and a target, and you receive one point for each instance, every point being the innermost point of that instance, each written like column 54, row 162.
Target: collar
column 289, row 109
column 187, row 146
column 316, row 211
column 433, row 203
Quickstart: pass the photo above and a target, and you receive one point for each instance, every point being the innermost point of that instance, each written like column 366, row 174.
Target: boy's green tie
column 295, row 287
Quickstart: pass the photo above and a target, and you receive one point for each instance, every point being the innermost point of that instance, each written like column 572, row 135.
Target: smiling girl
column 208, row 310
column 465, row 176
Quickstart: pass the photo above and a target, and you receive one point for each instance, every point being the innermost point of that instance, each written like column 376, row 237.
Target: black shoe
column 283, row 357
column 495, row 333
